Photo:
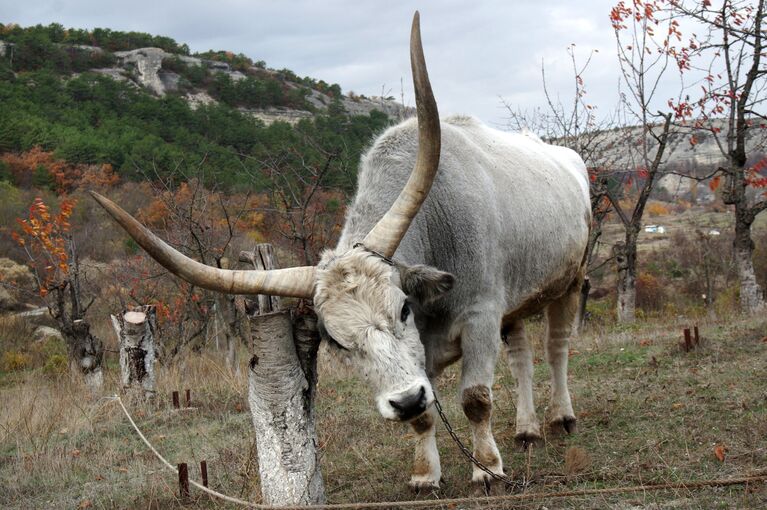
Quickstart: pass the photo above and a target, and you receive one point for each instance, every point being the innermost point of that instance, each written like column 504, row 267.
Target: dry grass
column 647, row 413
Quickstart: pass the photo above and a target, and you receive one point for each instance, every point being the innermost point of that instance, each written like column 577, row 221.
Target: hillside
column 143, row 105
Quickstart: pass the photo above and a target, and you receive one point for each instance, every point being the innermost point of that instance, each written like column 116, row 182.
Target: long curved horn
column 293, row 282
column 389, row 231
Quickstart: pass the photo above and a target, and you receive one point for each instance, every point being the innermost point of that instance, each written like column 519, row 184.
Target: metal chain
column 515, row 485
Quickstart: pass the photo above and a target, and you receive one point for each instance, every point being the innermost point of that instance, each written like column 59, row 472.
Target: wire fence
column 421, row 503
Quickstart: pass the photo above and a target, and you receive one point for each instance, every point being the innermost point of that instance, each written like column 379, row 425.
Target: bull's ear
column 425, row 283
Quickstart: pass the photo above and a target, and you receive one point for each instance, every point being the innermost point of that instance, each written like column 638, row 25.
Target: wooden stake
column 183, row 482
column 176, row 404
column 204, row 472
column 687, row 340
column 697, row 336
column 188, row 398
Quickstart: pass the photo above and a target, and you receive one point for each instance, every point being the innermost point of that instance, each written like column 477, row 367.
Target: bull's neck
column 357, row 225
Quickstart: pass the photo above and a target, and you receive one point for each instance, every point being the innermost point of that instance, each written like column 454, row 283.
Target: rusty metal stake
column 176, row 404
column 204, row 472
column 188, row 398
column 183, row 482
column 687, row 340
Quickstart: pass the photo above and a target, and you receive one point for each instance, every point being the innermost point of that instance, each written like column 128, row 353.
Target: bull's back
column 507, row 214
column 528, row 214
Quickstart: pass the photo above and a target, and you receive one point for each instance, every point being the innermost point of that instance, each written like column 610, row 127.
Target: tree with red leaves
column 51, row 251
column 728, row 104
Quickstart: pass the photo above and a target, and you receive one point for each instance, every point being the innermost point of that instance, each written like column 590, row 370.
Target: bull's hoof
column 488, row 487
column 523, row 440
column 563, row 425
column 421, row 485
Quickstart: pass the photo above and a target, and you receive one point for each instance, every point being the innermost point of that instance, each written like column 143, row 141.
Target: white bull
column 457, row 233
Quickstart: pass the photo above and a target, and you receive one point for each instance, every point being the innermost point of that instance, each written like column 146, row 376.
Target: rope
column 760, row 477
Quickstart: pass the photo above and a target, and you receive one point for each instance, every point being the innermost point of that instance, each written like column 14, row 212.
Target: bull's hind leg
column 520, row 358
column 426, row 469
column 479, row 342
column 560, row 318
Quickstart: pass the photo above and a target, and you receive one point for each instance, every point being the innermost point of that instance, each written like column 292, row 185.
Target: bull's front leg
column 480, row 350
column 426, row 468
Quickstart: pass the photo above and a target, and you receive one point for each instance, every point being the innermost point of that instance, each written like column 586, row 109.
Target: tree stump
column 135, row 330
column 282, row 382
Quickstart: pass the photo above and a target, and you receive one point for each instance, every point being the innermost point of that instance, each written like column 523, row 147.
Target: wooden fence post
column 282, row 381
column 204, row 472
column 135, row 329
column 183, row 481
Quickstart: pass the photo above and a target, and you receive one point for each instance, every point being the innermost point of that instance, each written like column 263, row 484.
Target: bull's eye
column 405, row 313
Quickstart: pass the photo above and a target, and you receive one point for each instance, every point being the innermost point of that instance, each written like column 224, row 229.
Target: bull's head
column 362, row 298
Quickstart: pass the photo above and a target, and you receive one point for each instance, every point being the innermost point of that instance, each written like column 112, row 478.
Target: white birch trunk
column 282, row 381
column 625, row 261
column 751, row 300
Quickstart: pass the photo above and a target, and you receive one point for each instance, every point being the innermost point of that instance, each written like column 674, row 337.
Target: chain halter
column 515, row 485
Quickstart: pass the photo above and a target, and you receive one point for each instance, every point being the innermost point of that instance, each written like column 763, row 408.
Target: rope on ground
column 423, row 503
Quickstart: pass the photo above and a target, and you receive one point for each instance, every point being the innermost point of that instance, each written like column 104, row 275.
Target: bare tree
column 198, row 222
column 645, row 59
column 308, row 212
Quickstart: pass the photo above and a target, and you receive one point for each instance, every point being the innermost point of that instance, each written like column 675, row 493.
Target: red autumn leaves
column 44, row 236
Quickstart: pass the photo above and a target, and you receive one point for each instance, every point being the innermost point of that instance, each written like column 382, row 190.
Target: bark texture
column 85, row 353
column 65, row 305
column 751, row 297
column 136, row 331
column 626, row 281
column 282, row 382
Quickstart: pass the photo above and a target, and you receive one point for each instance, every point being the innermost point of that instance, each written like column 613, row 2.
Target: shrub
column 657, row 209
column 15, row 333
column 601, row 311
column 651, row 294
column 14, row 360
column 55, row 365
column 726, row 302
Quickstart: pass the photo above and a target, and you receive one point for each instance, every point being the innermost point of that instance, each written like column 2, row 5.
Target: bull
column 457, row 233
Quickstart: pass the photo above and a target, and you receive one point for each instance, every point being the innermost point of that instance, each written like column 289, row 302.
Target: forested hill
column 143, row 105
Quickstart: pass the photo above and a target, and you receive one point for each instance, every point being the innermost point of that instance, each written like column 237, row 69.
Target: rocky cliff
column 145, row 68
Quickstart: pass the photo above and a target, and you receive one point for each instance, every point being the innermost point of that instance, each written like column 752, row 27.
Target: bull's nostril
column 411, row 405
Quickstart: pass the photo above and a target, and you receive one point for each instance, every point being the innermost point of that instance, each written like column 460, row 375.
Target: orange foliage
column 65, row 176
column 657, row 209
column 98, row 177
column 650, row 292
column 44, row 236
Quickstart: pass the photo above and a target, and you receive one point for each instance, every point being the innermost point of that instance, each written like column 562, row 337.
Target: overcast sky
column 477, row 52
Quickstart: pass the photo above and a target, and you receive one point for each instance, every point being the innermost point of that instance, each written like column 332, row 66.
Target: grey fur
column 507, row 214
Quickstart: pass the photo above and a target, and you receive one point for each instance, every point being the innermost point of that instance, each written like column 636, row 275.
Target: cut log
column 135, row 330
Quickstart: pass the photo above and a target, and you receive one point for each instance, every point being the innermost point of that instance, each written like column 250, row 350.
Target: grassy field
column 647, row 413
